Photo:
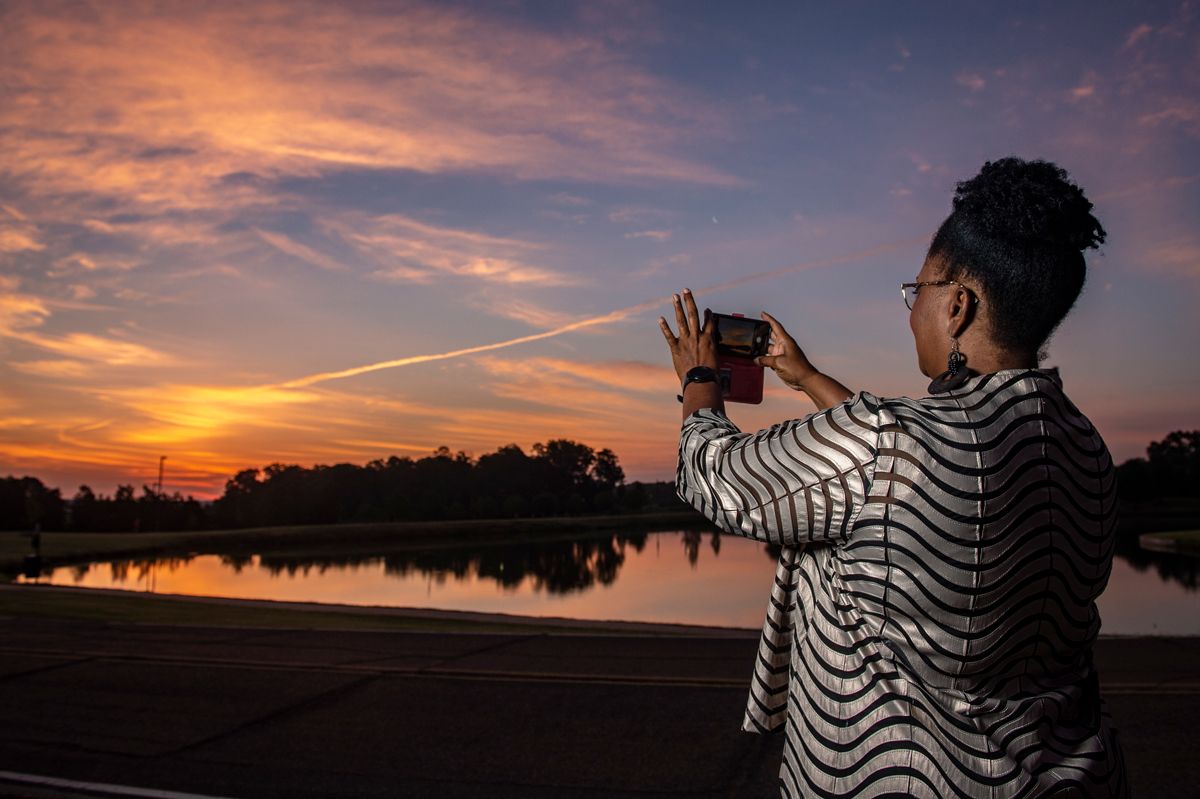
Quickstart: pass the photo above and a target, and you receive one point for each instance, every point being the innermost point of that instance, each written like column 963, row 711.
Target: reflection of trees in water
column 237, row 562
column 1183, row 569
column 141, row 569
column 692, row 539
column 557, row 567
column 691, row 545
column 1163, row 516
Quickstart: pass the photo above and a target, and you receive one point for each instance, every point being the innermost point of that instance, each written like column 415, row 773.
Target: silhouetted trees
column 123, row 512
column 25, row 503
column 559, row 477
column 1171, row 469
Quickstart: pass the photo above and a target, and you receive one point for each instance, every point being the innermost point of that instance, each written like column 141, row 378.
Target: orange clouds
column 20, row 314
column 408, row 250
column 160, row 104
column 136, row 134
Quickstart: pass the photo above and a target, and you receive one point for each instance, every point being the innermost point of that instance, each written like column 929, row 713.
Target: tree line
column 1171, row 468
column 558, row 478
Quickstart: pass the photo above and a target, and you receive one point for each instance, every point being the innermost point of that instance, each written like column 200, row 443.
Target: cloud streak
column 614, row 316
column 21, row 315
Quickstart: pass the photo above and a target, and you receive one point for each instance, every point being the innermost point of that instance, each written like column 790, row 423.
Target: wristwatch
column 701, row 374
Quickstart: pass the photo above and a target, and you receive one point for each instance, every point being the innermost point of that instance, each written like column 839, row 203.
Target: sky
column 240, row 233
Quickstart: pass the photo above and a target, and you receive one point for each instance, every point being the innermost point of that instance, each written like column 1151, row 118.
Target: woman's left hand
column 696, row 344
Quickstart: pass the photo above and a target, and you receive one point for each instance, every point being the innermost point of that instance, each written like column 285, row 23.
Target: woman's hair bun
column 1018, row 231
column 1033, row 201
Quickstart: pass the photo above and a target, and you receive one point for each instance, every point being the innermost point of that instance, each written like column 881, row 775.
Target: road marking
column 99, row 787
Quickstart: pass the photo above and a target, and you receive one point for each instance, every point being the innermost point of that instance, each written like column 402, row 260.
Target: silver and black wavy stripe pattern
column 931, row 623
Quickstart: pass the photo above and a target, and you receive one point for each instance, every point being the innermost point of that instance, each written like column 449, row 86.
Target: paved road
column 250, row 713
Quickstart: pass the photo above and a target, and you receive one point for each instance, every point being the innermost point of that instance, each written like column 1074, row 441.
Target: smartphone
column 739, row 342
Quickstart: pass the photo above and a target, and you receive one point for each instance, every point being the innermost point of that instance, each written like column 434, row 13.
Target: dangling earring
column 955, row 360
column 956, row 372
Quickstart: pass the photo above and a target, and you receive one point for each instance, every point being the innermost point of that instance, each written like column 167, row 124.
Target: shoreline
column 1180, row 542
column 197, row 608
column 225, row 612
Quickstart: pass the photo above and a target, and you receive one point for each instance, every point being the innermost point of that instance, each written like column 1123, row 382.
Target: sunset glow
column 243, row 233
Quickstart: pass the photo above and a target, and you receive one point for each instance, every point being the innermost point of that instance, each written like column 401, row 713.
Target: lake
column 672, row 577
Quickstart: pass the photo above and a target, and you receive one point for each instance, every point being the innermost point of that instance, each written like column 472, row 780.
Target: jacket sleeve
column 799, row 481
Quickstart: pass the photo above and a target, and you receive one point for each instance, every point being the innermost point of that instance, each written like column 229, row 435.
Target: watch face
column 701, row 374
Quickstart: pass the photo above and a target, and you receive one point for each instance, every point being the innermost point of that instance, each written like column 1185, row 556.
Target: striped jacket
column 931, row 624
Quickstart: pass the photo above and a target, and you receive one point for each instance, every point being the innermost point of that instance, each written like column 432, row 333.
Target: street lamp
column 159, row 495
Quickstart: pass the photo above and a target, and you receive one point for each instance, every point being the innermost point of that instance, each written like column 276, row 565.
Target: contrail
column 615, row 316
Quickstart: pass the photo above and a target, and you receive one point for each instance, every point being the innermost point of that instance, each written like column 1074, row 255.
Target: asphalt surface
column 148, row 710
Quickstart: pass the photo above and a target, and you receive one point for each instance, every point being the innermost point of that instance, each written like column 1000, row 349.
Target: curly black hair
column 1018, row 231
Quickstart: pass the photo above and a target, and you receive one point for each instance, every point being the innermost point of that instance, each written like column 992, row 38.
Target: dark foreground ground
column 155, row 710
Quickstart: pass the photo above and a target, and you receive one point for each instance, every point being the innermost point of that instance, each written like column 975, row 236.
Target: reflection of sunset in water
column 1142, row 602
column 657, row 584
column 685, row 578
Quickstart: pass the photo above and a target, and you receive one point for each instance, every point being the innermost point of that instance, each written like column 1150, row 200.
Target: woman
column 932, row 620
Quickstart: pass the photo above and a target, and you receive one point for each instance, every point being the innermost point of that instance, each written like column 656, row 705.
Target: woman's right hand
column 785, row 357
column 788, row 361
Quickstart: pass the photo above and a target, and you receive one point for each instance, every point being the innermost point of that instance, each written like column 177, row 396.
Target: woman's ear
column 960, row 311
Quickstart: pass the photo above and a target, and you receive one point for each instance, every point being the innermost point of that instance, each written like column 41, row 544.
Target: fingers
column 766, row 360
column 680, row 316
column 667, row 334
column 693, row 315
column 777, row 330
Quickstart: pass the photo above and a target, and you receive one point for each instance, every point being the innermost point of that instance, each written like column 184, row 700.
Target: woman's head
column 1017, row 235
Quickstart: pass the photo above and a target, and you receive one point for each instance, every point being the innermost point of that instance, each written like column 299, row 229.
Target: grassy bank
column 1163, row 515
column 37, row 602
column 1185, row 542
column 66, row 549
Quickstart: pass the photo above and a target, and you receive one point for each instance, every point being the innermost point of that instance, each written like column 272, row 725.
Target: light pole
column 159, row 496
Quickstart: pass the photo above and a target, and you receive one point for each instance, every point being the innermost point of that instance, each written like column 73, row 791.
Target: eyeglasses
column 911, row 290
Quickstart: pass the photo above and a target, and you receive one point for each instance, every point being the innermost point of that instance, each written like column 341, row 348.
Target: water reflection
column 135, row 570
column 1171, row 567
column 690, row 577
column 556, row 567
column 553, row 567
